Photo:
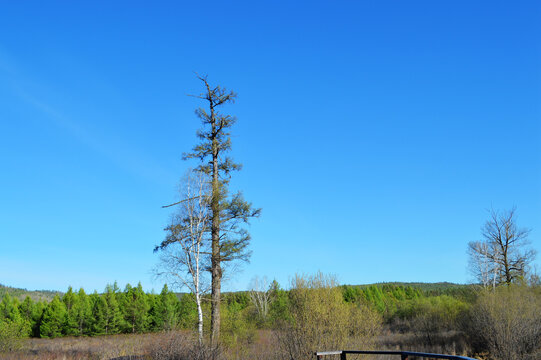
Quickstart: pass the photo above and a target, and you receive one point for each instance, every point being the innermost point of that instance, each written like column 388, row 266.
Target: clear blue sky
column 374, row 134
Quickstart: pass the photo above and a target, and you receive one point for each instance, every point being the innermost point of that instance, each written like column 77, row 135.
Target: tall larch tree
column 229, row 239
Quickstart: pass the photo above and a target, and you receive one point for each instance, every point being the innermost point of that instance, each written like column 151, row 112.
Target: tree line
column 133, row 310
column 314, row 311
column 80, row 314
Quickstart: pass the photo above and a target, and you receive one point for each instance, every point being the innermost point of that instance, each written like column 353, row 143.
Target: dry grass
column 79, row 348
column 143, row 346
column 449, row 342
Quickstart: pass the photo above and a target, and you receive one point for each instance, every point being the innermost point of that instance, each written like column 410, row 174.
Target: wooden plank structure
column 404, row 355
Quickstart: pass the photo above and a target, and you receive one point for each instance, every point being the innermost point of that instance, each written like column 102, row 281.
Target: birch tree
column 185, row 250
column 481, row 265
column 260, row 296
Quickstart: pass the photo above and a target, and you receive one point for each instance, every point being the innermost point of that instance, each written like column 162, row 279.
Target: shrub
column 506, row 323
column 322, row 320
column 430, row 316
column 11, row 335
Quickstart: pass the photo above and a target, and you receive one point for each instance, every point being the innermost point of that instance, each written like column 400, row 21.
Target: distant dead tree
column 260, row 296
column 503, row 255
column 481, row 266
column 185, row 256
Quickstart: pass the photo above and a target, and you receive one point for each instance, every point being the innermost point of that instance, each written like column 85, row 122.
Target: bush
column 429, row 317
column 11, row 335
column 237, row 332
column 506, row 323
column 322, row 320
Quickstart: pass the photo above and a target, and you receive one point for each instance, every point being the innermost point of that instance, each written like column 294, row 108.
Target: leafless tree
column 260, row 296
column 185, row 253
column 481, row 266
column 503, row 255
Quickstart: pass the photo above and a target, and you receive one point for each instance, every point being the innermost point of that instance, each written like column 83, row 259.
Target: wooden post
column 343, row 356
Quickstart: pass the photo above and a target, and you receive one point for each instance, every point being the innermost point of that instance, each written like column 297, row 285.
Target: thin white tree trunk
column 199, row 318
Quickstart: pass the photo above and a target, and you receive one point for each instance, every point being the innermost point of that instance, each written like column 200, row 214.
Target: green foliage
column 13, row 326
column 11, row 333
column 9, row 309
column 82, row 314
column 113, row 316
column 426, row 310
column 237, row 330
column 69, row 299
column 187, row 310
column 37, row 316
column 384, row 298
column 54, row 319
column 279, row 306
column 320, row 318
column 98, row 319
column 135, row 308
column 26, row 309
column 164, row 312
column 444, row 307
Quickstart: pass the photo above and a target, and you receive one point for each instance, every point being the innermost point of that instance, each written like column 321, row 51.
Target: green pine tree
column 26, row 311
column 82, row 313
column 8, row 309
column 113, row 315
column 166, row 310
column 187, row 312
column 26, row 308
column 54, row 318
column 135, row 307
column 70, row 325
column 98, row 319
column 37, row 317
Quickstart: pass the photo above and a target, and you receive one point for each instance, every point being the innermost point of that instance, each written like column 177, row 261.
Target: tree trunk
column 215, row 234
column 199, row 317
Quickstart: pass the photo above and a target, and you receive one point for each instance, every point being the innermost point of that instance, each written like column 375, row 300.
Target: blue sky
column 374, row 134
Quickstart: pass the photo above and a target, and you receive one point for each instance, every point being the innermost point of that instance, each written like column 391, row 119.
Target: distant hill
column 21, row 294
column 429, row 289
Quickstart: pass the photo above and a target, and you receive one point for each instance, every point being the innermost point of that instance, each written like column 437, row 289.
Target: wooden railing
column 403, row 354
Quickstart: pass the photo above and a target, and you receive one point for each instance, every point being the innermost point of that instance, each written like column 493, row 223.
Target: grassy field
column 137, row 346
